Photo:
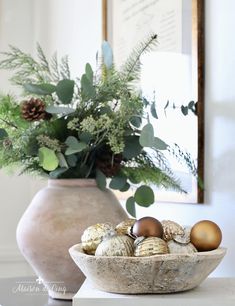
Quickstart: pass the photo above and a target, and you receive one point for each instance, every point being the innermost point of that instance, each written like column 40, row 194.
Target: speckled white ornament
column 178, row 248
column 93, row 235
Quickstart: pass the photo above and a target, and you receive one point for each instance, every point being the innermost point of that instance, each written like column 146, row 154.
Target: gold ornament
column 93, row 235
column 206, row 235
column 124, row 227
column 119, row 245
column 147, row 227
column 150, row 246
column 177, row 248
column 185, row 238
column 171, row 229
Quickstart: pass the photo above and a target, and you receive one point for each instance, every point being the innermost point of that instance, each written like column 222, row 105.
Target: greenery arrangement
column 97, row 126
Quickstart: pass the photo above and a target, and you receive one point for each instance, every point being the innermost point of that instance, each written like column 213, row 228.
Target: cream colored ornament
column 119, row 245
column 150, row 246
column 93, row 235
column 185, row 238
column 178, row 248
column 171, row 229
column 124, row 227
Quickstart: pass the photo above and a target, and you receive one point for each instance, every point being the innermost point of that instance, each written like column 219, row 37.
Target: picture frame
column 113, row 26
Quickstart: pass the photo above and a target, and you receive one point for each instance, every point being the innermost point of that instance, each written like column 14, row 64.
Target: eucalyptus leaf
column 59, row 110
column 74, row 146
column 57, row 172
column 85, row 137
column 136, row 121
column 87, row 88
column 107, row 54
column 100, row 179
column 118, row 182
column 72, row 160
column 125, row 187
column 130, row 206
column 132, row 147
column 62, row 161
column 48, row 159
column 159, row 144
column 89, row 73
column 145, row 102
column 147, row 136
column 40, row 89
column 3, row 134
column 153, row 110
column 144, row 196
column 184, row 110
column 65, row 90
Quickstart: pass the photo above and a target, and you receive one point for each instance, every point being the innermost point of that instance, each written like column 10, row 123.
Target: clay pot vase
column 54, row 221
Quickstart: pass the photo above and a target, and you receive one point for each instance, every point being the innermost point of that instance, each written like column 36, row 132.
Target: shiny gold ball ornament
column 123, row 228
column 93, row 235
column 119, row 245
column 147, row 227
column 206, row 236
column 150, row 246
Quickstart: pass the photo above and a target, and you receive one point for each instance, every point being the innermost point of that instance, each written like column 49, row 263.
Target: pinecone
column 107, row 163
column 34, row 110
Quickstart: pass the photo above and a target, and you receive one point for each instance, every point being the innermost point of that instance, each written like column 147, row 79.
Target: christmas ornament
column 206, row 235
column 185, row 238
column 171, row 229
column 123, row 228
column 34, row 110
column 147, row 227
column 107, row 162
column 118, row 245
column 150, row 246
column 93, row 235
column 178, row 248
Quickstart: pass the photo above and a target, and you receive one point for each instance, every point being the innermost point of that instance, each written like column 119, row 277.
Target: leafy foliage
column 92, row 126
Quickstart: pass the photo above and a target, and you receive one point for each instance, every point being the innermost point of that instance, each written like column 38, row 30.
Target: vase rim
column 72, row 182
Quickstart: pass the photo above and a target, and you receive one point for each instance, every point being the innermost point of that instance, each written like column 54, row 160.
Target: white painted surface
column 216, row 291
column 220, row 109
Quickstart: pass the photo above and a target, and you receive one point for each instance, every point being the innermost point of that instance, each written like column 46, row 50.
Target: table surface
column 213, row 291
column 26, row 292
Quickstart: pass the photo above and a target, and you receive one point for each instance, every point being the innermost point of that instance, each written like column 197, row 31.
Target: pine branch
column 64, row 68
column 43, row 60
column 131, row 68
column 55, row 68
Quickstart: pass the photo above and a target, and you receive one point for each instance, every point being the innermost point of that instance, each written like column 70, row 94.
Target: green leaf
column 147, row 136
column 72, row 160
column 74, row 146
column 130, row 206
column 159, row 144
column 65, row 90
column 40, row 89
column 59, row 110
column 153, row 110
column 145, row 102
column 118, row 182
column 85, row 137
column 48, row 159
column 184, row 110
column 125, row 187
column 132, row 147
column 136, row 121
column 191, row 105
column 167, row 104
column 56, row 173
column 144, row 196
column 100, row 179
column 3, row 134
column 89, row 73
column 107, row 54
column 62, row 160
column 87, row 88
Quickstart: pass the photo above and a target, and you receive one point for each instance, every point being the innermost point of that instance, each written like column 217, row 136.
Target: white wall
column 220, row 115
column 71, row 26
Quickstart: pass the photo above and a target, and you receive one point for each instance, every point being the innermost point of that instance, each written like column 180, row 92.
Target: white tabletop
column 213, row 291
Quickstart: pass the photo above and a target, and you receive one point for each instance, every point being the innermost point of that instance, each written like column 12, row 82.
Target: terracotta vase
column 54, row 221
